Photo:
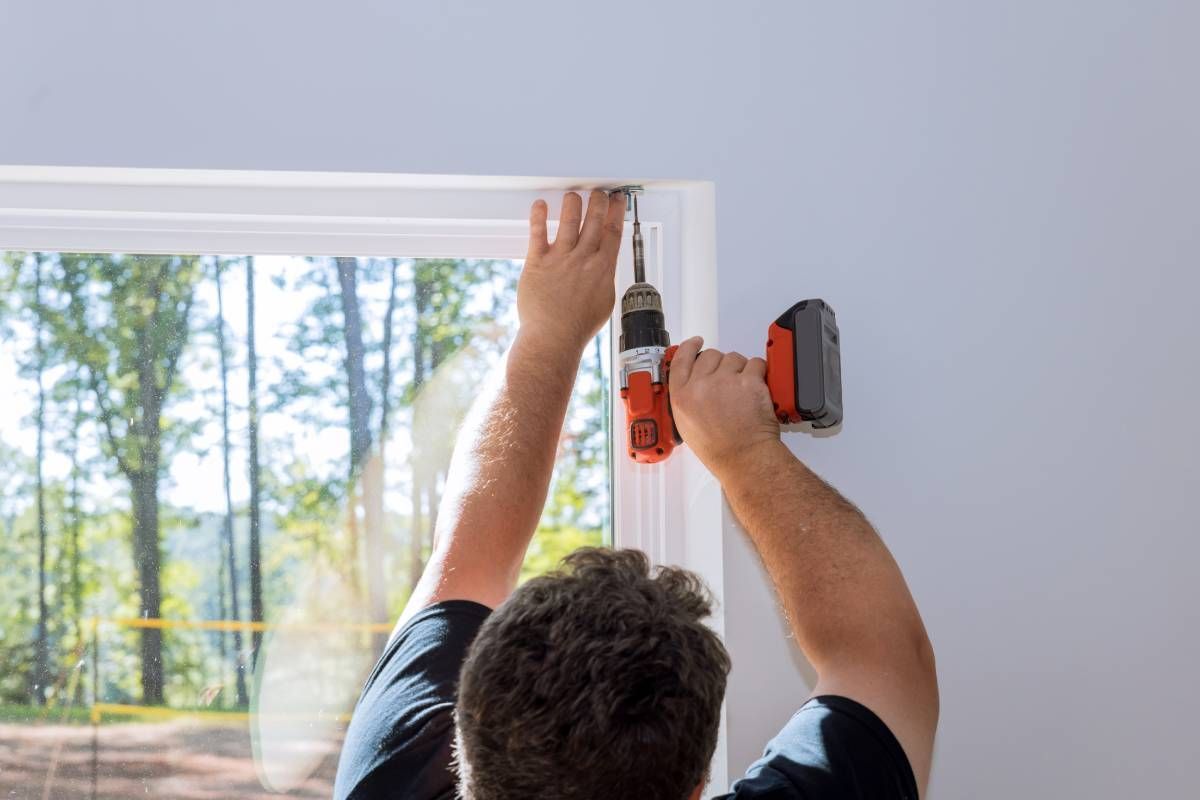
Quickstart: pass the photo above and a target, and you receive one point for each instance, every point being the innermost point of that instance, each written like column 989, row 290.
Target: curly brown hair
column 598, row 680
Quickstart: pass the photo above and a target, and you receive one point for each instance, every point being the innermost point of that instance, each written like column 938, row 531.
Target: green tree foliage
column 435, row 308
column 124, row 320
column 129, row 392
column 18, row 598
column 41, row 540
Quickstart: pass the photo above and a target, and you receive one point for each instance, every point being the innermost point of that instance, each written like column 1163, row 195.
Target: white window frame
column 673, row 512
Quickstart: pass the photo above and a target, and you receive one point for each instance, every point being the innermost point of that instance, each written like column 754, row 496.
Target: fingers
column 687, row 364
column 593, row 224
column 732, row 363
column 538, row 243
column 601, row 228
column 681, row 364
column 614, row 225
column 706, row 363
column 568, row 221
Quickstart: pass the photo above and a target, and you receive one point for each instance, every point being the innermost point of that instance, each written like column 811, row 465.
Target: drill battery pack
column 804, row 366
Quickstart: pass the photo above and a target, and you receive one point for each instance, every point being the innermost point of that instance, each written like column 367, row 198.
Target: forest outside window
column 223, row 463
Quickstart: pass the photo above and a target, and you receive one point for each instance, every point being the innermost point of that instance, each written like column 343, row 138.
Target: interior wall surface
column 999, row 199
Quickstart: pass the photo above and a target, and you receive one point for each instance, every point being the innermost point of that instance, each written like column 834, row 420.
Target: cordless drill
column 804, row 373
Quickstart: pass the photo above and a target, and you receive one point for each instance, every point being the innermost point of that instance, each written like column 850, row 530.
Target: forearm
column 500, row 472
column 845, row 597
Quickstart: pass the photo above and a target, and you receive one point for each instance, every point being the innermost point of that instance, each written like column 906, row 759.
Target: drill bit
column 639, row 246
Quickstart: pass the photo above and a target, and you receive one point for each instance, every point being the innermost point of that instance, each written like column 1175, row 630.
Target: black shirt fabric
column 399, row 741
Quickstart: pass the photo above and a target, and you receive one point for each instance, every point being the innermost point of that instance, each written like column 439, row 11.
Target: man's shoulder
column 399, row 742
column 833, row 747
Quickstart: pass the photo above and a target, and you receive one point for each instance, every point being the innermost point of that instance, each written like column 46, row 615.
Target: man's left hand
column 567, row 289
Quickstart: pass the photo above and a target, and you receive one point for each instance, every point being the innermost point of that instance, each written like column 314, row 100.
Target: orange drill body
column 650, row 428
column 645, row 363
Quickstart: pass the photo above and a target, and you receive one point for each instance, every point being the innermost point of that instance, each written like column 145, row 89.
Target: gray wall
column 1000, row 199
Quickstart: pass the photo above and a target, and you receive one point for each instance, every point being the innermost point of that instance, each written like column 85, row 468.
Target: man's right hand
column 721, row 405
column 846, row 600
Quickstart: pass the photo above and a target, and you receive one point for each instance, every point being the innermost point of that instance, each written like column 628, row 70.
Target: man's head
column 596, row 681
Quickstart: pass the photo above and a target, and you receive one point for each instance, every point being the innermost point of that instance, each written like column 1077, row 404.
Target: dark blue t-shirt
column 399, row 741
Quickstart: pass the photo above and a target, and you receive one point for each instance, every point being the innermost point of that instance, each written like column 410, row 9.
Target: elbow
column 923, row 653
column 925, row 667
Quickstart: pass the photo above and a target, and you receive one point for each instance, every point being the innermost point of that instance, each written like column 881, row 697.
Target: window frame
column 673, row 512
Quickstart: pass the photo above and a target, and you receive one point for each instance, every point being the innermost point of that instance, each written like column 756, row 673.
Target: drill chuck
column 642, row 321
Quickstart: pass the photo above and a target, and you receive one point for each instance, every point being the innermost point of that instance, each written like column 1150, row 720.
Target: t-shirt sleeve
column 832, row 747
column 399, row 740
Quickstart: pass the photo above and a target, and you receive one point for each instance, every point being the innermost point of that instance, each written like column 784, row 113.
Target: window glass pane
column 192, row 444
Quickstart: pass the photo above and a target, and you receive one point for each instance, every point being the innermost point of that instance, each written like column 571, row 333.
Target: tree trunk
column 222, row 613
column 147, row 560
column 605, row 422
column 360, row 401
column 385, row 388
column 437, row 354
column 353, row 565
column 41, row 669
column 433, row 502
column 152, row 305
column 416, row 541
column 372, row 483
column 362, row 472
column 76, row 528
column 243, row 698
column 373, row 478
column 256, row 598
column 147, row 556
column 415, row 563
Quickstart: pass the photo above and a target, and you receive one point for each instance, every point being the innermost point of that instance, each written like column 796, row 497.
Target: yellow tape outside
column 157, row 712
column 239, row 625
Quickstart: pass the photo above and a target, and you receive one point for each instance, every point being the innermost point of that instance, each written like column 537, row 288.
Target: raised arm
column 500, row 471
column 845, row 598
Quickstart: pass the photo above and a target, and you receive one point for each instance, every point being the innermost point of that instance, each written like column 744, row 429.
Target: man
column 601, row 681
